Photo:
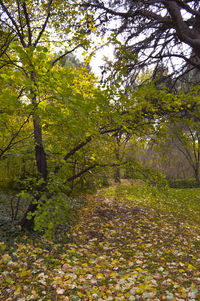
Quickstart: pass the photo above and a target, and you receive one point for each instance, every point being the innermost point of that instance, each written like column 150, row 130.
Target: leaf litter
column 116, row 251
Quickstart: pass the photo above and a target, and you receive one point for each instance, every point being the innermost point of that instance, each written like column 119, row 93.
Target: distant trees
column 174, row 150
column 185, row 137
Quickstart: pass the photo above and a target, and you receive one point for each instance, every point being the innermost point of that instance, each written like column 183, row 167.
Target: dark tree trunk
column 40, row 154
column 25, row 223
column 41, row 163
column 117, row 171
column 117, row 175
column 197, row 175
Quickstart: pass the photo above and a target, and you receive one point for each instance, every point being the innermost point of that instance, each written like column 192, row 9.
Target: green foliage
column 49, row 108
column 183, row 183
column 54, row 212
column 135, row 171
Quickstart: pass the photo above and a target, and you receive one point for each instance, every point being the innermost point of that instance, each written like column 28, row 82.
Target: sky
column 98, row 59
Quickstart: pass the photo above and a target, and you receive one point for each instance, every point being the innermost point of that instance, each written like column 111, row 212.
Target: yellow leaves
column 139, row 269
column 127, row 295
column 21, row 246
column 181, row 290
column 10, row 280
column 123, row 270
column 181, row 271
column 92, row 157
column 80, row 294
column 24, row 273
column 140, row 291
column 100, row 276
column 126, row 277
column 115, row 261
column 34, row 294
column 72, row 251
column 2, row 246
column 191, row 267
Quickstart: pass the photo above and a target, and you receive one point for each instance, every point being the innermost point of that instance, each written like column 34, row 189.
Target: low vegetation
column 130, row 241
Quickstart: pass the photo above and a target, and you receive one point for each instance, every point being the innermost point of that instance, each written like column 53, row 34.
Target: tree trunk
column 40, row 154
column 117, row 171
column 25, row 223
column 197, row 175
column 41, row 163
column 117, row 175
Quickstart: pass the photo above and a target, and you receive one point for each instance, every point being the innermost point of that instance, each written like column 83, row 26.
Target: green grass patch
column 184, row 183
column 182, row 203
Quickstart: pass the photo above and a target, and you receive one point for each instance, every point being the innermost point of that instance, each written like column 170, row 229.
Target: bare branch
column 11, row 143
column 20, row 35
column 45, row 23
column 27, row 23
column 66, row 53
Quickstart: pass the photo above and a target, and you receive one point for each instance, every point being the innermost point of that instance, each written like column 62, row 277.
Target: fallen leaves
column 115, row 253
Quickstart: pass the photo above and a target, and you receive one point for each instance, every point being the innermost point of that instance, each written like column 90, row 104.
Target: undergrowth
column 130, row 242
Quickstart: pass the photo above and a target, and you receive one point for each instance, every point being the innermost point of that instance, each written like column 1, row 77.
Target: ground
column 130, row 242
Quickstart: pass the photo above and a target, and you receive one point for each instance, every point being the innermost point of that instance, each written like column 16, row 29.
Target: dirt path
column 117, row 252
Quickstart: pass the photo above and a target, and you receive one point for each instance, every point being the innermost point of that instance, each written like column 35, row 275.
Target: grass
column 131, row 242
column 182, row 203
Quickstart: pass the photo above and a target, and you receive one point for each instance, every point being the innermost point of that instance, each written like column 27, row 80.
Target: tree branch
column 78, row 175
column 45, row 23
column 27, row 23
column 66, row 53
column 20, row 35
column 11, row 142
column 73, row 151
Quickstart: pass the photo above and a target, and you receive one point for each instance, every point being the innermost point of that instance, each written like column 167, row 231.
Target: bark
column 28, row 224
column 196, row 171
column 40, row 154
column 117, row 171
column 117, row 175
column 185, row 34
column 157, row 32
column 41, row 163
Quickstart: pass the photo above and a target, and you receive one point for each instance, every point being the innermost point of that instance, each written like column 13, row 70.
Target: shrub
column 183, row 183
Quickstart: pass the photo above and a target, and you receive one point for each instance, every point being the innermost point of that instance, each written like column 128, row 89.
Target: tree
column 185, row 137
column 61, row 107
column 153, row 32
column 50, row 96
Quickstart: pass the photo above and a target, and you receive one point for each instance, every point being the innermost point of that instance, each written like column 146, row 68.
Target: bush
column 183, row 183
column 147, row 174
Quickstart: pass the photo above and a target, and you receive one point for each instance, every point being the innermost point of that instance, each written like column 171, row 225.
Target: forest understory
column 127, row 244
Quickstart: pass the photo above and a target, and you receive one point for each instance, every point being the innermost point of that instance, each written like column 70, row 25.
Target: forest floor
column 130, row 242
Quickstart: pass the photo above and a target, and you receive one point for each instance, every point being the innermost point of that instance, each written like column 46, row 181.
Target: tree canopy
column 58, row 123
column 154, row 32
